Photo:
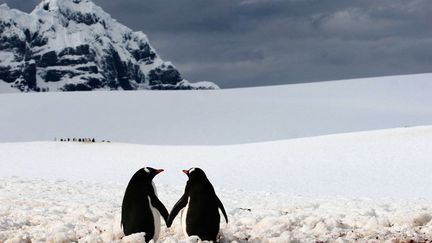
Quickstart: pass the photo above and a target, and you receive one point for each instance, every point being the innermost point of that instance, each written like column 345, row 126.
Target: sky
column 242, row 43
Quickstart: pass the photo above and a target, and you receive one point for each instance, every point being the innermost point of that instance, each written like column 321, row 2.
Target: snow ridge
column 70, row 45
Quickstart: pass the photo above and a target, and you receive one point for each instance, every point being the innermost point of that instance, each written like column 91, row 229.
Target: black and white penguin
column 141, row 208
column 201, row 205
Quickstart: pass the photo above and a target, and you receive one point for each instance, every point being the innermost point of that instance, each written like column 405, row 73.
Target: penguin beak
column 186, row 172
column 159, row 171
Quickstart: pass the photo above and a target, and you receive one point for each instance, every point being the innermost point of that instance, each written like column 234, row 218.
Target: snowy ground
column 389, row 163
column 369, row 186
column 220, row 116
column 64, row 211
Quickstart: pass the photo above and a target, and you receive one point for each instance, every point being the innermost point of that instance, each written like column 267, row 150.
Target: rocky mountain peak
column 70, row 45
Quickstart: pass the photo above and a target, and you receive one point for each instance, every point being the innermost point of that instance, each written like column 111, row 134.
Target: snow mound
column 220, row 117
column 386, row 163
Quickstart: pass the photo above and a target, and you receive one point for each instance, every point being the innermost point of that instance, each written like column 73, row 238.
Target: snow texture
column 369, row 187
column 64, row 211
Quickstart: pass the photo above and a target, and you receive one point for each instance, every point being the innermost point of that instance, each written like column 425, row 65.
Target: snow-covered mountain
column 69, row 45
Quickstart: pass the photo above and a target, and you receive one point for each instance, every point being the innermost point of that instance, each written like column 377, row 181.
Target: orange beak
column 159, row 171
column 186, row 172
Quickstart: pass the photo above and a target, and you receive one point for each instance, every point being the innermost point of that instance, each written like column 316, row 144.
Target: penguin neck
column 154, row 188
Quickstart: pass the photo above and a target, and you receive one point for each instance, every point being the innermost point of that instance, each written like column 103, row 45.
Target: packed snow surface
column 368, row 186
column 220, row 116
column 63, row 211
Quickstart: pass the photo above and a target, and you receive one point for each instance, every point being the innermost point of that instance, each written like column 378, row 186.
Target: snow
column 62, row 23
column 83, row 6
column 16, row 16
column 6, row 57
column 75, row 34
column 229, row 116
column 106, row 33
column 6, row 87
column 201, row 84
column 386, row 163
column 369, row 186
column 64, row 211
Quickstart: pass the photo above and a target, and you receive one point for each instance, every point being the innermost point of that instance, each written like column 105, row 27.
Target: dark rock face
column 164, row 76
column 48, row 59
column 144, row 53
column 9, row 75
column 29, row 75
column 60, row 47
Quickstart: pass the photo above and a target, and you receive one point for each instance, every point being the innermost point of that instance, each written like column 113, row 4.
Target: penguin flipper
column 160, row 207
column 182, row 202
column 220, row 205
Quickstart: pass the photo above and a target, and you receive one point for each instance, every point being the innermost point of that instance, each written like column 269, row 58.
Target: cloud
column 23, row 5
column 240, row 43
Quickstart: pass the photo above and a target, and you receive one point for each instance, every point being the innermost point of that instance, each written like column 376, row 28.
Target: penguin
column 200, row 216
column 141, row 208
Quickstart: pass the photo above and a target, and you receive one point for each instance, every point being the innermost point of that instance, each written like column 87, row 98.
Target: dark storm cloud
column 259, row 42
column 23, row 5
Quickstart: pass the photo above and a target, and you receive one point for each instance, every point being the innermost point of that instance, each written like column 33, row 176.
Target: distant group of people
column 80, row 140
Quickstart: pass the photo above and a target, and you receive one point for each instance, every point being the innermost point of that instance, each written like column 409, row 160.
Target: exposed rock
column 73, row 45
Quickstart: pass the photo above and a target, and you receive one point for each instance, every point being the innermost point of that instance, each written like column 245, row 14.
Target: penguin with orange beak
column 200, row 204
column 141, row 208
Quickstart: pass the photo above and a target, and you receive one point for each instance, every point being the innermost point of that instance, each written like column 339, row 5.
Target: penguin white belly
column 156, row 217
column 183, row 218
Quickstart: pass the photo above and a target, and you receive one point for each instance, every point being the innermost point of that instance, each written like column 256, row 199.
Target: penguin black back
column 139, row 204
column 201, row 216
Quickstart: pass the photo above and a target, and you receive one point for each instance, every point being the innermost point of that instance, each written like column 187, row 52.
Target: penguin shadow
column 142, row 210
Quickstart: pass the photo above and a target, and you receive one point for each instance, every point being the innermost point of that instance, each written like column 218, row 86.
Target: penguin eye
column 147, row 170
column 191, row 170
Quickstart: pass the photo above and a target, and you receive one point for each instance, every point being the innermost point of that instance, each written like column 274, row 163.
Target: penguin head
column 195, row 173
column 151, row 172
